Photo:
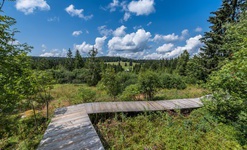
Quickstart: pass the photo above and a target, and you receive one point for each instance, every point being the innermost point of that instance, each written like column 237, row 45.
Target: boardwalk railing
column 71, row 128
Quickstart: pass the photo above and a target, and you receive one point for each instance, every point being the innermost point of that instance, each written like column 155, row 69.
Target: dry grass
column 192, row 91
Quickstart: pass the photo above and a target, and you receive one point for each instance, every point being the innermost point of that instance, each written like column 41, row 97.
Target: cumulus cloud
column 104, row 31
column 85, row 48
column 77, row 33
column 154, row 56
column 165, row 48
column 193, row 45
column 141, row 7
column 28, row 6
column 119, row 31
column 167, row 38
column 133, row 55
column 198, row 29
column 133, row 42
column 171, row 37
column 55, row 53
column 77, row 12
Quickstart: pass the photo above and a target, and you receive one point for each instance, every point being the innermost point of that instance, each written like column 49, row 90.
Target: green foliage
column 182, row 63
column 79, row 63
column 149, row 83
column 163, row 131
column 21, row 133
column 111, row 82
column 94, row 68
column 230, row 82
column 13, row 64
column 86, row 95
column 131, row 93
column 212, row 54
column 126, row 79
column 69, row 61
column 171, row 81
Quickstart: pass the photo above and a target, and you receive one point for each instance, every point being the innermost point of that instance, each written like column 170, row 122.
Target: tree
column 229, row 84
column 149, row 83
column 111, row 82
column 182, row 63
column 69, row 62
column 211, row 54
column 13, row 64
column 79, row 63
column 94, row 68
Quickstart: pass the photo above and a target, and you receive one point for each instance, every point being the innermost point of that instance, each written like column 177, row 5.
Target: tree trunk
column 34, row 113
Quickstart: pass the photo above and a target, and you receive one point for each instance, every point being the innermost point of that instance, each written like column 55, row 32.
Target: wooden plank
column 71, row 127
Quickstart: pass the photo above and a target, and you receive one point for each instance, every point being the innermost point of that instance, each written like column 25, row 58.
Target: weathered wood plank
column 71, row 128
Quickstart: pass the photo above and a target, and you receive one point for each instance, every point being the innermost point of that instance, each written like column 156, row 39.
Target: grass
column 160, row 130
column 21, row 133
column 123, row 65
column 192, row 91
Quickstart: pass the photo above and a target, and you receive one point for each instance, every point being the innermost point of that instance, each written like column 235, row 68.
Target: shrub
column 86, row 94
column 172, row 81
column 149, row 83
column 130, row 93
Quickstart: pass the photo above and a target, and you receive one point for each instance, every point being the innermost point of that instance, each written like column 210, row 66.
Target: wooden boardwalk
column 71, row 128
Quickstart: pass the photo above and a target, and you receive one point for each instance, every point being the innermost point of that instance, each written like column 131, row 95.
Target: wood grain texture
column 71, row 128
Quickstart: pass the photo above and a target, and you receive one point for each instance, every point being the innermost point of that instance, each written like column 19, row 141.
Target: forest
column 31, row 88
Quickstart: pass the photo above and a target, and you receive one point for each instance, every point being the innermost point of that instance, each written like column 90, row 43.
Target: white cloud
column 165, row 48
column 184, row 34
column 133, row 55
column 104, row 31
column 193, row 45
column 167, row 38
column 154, row 56
column 149, row 23
column 77, row 12
column 141, row 7
column 171, row 37
column 85, row 48
column 134, row 42
column 137, row 27
column 43, row 47
column 53, row 19
column 28, row 6
column 126, row 16
column 198, row 29
column 119, row 31
column 55, row 53
column 112, row 6
column 99, row 43
column 77, row 33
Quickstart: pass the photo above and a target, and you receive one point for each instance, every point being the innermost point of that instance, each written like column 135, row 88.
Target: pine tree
column 94, row 68
column 79, row 63
column 212, row 54
column 182, row 63
column 69, row 60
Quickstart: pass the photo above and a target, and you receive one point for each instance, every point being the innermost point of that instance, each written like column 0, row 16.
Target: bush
column 126, row 79
column 130, row 93
column 87, row 95
column 149, row 83
column 172, row 81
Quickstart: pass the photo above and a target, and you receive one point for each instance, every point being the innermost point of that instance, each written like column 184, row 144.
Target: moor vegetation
column 32, row 87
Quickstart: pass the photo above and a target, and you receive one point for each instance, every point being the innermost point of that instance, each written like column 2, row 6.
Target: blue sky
column 141, row 29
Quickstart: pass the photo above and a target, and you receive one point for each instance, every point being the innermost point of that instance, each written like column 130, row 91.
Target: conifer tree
column 212, row 54
column 79, row 63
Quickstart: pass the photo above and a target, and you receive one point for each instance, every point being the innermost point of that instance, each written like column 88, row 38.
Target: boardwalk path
column 71, row 128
